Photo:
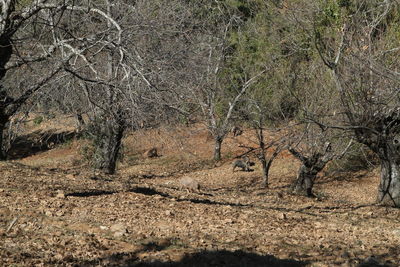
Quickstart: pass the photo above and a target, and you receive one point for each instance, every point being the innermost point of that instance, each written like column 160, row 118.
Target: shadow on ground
column 38, row 141
column 92, row 193
column 201, row 259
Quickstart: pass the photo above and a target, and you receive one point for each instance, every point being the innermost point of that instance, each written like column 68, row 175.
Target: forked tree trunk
column 308, row 171
column 307, row 174
column 266, row 166
column 108, row 147
column 304, row 183
column 389, row 187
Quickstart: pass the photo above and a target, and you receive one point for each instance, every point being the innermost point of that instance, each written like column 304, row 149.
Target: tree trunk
column 5, row 54
column 3, row 154
column 4, row 119
column 388, row 151
column 305, row 181
column 309, row 170
column 109, row 147
column 389, row 187
column 266, row 165
column 6, row 51
column 217, row 148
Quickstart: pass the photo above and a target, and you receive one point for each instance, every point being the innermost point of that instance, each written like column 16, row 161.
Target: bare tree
column 259, row 115
column 276, row 146
column 363, row 63
column 218, row 98
column 315, row 149
column 38, row 41
column 219, row 124
column 141, row 81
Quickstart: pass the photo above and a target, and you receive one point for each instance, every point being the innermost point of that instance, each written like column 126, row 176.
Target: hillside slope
column 55, row 211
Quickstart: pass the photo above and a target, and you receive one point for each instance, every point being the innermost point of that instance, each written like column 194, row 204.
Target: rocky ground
column 55, row 211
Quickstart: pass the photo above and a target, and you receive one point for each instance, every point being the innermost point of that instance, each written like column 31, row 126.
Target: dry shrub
column 357, row 159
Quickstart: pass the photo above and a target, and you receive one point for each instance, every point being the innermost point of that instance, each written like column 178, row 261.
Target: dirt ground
column 56, row 211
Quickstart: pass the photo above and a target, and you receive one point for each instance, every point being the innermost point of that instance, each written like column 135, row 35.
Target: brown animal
column 151, row 153
column 243, row 163
column 189, row 184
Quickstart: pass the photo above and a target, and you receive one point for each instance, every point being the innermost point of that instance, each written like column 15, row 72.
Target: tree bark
column 308, row 171
column 266, row 165
column 305, row 181
column 389, row 186
column 5, row 101
column 265, row 170
column 217, row 148
column 387, row 148
column 109, row 146
column 5, row 54
column 3, row 153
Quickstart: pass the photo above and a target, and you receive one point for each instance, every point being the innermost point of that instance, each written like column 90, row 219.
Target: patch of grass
column 38, row 120
column 228, row 155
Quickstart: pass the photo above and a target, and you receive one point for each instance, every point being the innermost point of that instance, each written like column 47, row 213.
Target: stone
column 119, row 234
column 168, row 212
column 70, row 176
column 117, row 227
column 60, row 194
column 282, row 216
column 396, row 232
column 118, row 230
